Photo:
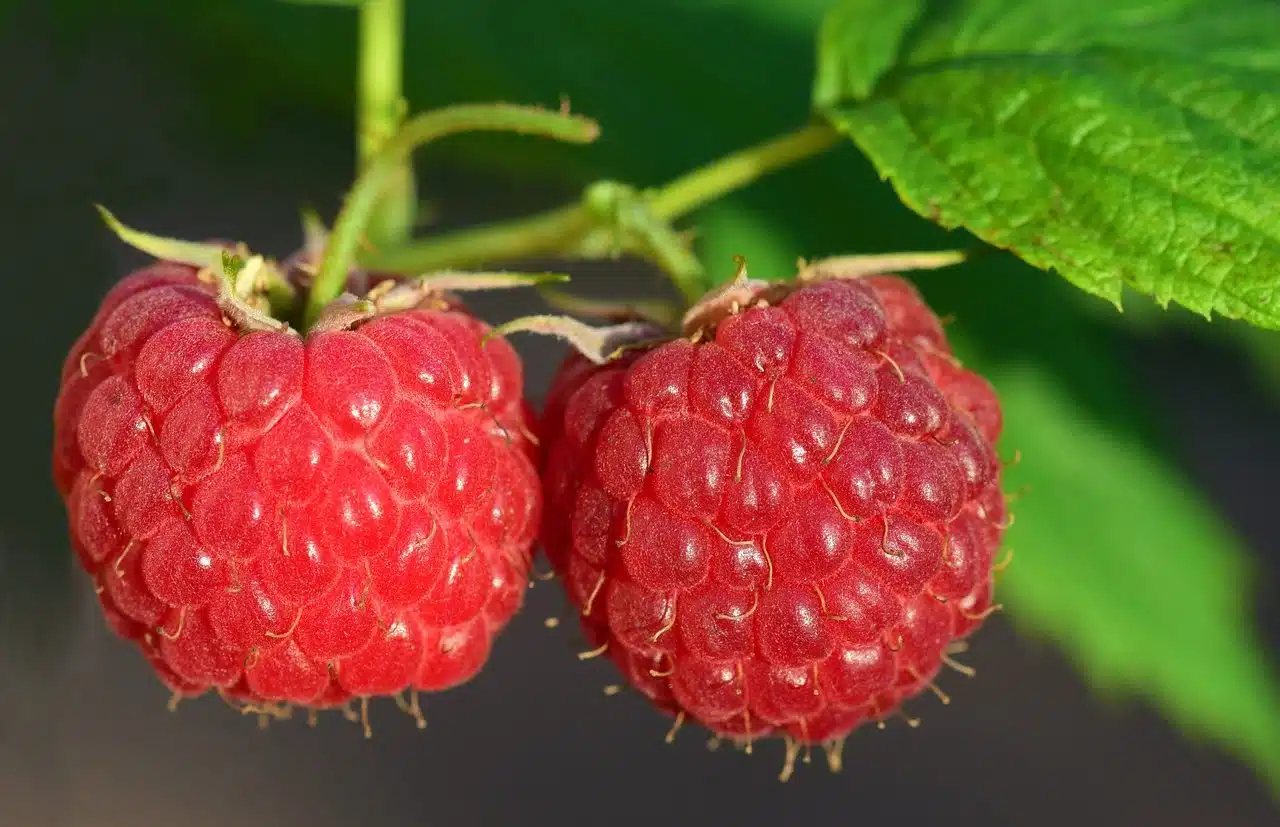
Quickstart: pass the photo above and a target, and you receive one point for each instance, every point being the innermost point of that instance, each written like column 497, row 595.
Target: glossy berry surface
column 779, row 525
column 291, row 519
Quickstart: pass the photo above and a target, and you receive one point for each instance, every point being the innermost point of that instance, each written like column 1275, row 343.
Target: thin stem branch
column 701, row 186
column 561, row 230
column 541, row 234
column 348, row 230
column 380, row 110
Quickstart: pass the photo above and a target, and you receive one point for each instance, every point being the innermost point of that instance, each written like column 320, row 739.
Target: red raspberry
column 296, row 520
column 779, row 525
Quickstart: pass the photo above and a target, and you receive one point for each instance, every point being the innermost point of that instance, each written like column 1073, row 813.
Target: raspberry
column 296, row 520
column 779, row 524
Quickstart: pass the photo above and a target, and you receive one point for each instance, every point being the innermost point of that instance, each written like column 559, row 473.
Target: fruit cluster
column 776, row 520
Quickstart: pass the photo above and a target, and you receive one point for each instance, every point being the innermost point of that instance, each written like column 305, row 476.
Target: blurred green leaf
column 1259, row 348
column 1262, row 348
column 858, row 42
column 1124, row 565
column 1119, row 142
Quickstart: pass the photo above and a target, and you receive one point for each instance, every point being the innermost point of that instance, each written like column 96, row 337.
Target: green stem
column 561, row 230
column 348, row 230
column 704, row 185
column 380, row 110
column 542, row 234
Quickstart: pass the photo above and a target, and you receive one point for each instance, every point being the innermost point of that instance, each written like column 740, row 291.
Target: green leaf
column 1123, row 564
column 858, row 43
column 1119, row 142
column 1260, row 348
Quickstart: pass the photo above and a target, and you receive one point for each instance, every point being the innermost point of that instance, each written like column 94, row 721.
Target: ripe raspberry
column 780, row 523
column 289, row 519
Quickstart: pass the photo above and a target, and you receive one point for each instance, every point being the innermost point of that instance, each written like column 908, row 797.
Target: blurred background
column 1147, row 544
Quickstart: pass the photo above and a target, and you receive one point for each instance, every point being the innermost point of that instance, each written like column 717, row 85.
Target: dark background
column 85, row 738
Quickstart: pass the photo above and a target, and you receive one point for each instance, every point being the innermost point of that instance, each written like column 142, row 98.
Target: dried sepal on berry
column 597, row 344
column 248, row 285
column 726, row 300
column 200, row 255
column 434, row 291
column 859, row 266
column 659, row 313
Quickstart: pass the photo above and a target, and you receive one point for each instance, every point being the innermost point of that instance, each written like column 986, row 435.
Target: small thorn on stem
column 670, row 670
column 755, row 604
column 670, row 737
column 415, row 710
column 591, row 599
column 115, row 567
column 792, row 748
column 667, row 626
column 902, row 377
column 746, row 723
column 983, row 615
column 594, row 653
column 835, row 754
column 839, row 441
column 182, row 622
column 84, row 368
column 955, row 665
column 827, row 486
column 289, row 631
column 626, row 529
column 768, row 561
